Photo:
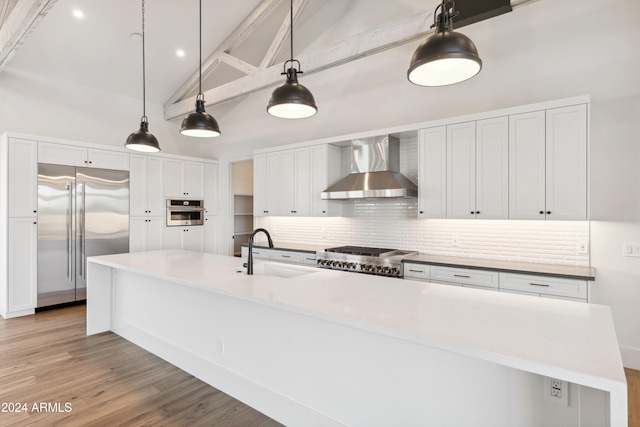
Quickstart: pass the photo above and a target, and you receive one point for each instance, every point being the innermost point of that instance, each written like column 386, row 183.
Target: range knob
column 395, row 271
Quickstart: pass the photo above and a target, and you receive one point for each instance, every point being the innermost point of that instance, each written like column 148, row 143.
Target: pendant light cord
column 291, row 31
column 144, row 101
column 200, row 55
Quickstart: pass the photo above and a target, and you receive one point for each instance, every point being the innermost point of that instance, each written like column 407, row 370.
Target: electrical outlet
column 631, row 249
column 582, row 247
column 220, row 345
column 556, row 391
column 455, row 241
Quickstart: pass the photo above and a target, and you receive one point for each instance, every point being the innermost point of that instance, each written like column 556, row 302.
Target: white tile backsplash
column 393, row 224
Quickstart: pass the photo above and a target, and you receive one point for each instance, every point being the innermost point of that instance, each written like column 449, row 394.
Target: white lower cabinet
column 146, row 234
column 417, row 271
column 22, row 283
column 287, row 256
column 279, row 255
column 258, row 253
column 184, row 238
column 211, row 234
column 466, row 277
column 543, row 286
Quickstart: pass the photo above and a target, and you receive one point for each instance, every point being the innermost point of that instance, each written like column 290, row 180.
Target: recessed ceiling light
column 135, row 37
column 180, row 53
column 78, row 14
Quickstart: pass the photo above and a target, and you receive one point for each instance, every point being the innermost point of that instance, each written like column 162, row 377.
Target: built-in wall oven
column 184, row 212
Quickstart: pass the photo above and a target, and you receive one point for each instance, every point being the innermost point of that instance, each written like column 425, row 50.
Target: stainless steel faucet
column 250, row 256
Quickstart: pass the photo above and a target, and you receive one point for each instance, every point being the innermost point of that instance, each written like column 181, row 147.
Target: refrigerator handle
column 70, row 234
column 83, row 253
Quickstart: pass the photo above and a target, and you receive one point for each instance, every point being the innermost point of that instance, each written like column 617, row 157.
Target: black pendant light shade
column 446, row 57
column 292, row 100
column 199, row 123
column 143, row 140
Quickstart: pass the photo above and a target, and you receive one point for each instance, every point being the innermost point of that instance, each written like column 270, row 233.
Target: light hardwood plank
column 107, row 380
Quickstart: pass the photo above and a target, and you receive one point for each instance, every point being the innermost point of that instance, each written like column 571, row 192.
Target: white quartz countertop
column 568, row 340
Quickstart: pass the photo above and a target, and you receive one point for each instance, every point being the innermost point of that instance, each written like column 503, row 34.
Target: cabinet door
column 461, row 170
column 302, row 181
column 492, row 168
column 173, row 237
column 288, row 182
column 156, row 204
column 173, row 178
column 23, row 178
column 260, row 185
column 527, row 166
column 60, row 154
column 319, row 166
column 432, row 173
column 211, row 234
column 107, row 159
column 566, row 163
column 138, row 186
column 138, row 234
column 194, row 180
column 194, row 239
column 211, row 189
column 23, row 264
column 155, row 233
column 273, row 201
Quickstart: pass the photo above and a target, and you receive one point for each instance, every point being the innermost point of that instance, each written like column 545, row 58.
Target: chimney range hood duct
column 374, row 172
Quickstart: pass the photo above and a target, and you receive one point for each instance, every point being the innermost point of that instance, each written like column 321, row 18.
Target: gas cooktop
column 379, row 261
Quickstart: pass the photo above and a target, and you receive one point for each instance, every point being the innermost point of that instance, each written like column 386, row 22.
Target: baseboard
column 20, row 313
column 260, row 397
column 630, row 357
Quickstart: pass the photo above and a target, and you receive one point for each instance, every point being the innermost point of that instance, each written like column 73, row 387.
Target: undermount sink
column 284, row 271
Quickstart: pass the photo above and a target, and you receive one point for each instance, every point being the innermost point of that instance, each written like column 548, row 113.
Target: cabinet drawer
column 545, row 286
column 310, row 259
column 465, row 276
column 287, row 256
column 416, row 271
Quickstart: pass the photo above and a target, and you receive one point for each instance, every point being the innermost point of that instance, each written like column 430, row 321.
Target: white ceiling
column 97, row 52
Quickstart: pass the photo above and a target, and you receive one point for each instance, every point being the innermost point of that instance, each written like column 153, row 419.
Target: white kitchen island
column 313, row 347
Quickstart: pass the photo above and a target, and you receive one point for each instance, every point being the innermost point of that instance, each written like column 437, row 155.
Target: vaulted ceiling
column 244, row 43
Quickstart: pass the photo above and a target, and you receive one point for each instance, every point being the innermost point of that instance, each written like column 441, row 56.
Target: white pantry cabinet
column 477, row 169
column 295, row 182
column 211, row 234
column 22, row 283
column 184, row 238
column 183, row 179
column 23, row 178
column 146, row 234
column 73, row 155
column 146, row 180
column 548, row 164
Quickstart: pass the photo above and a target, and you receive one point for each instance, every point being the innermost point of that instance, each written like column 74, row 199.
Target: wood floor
column 66, row 378
column 55, row 374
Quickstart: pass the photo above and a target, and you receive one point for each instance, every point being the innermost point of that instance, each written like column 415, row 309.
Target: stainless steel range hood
column 374, row 172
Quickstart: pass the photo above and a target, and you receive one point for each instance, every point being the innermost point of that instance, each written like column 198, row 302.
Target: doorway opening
column 242, row 192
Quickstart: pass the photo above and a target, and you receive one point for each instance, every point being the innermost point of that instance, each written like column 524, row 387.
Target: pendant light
column 200, row 123
column 292, row 100
column 446, row 57
column 143, row 140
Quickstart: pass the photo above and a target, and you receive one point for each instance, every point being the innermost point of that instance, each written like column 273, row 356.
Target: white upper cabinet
column 266, row 184
column 23, row 178
column 492, row 168
column 210, row 189
column 548, row 164
column 184, row 179
column 566, row 163
column 295, row 181
column 461, row 170
column 71, row 155
column 325, row 170
column 146, row 186
column 527, row 166
column 432, row 173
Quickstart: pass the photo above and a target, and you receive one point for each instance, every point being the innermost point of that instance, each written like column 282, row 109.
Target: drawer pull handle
column 460, row 275
column 416, row 271
column 544, row 285
column 285, row 256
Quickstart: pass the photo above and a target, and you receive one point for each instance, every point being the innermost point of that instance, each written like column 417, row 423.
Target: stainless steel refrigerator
column 82, row 212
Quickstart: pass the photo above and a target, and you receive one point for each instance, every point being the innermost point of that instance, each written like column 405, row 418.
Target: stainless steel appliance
column 375, row 165
column 185, row 212
column 82, row 212
column 379, row 261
